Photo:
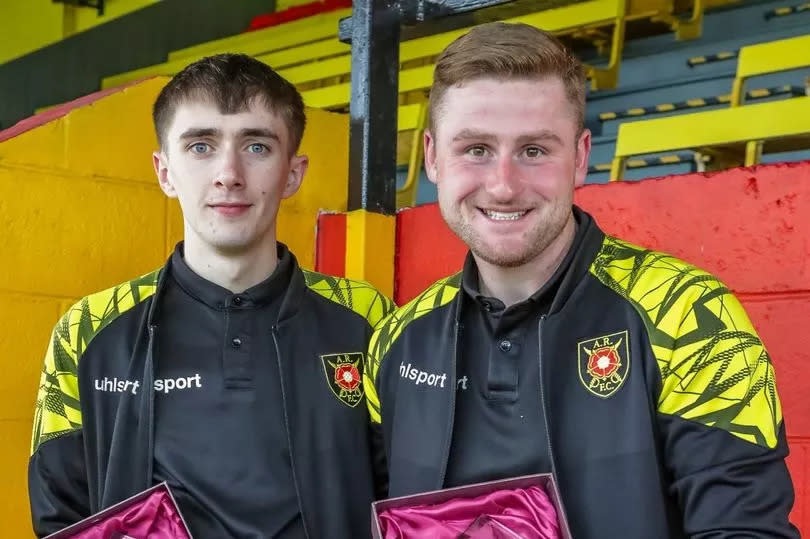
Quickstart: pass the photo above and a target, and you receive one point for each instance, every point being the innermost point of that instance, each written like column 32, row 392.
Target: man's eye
column 477, row 151
column 200, row 147
column 533, row 152
column 257, row 148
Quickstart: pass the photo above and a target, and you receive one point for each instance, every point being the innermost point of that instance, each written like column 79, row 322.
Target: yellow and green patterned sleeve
column 57, row 409
column 359, row 296
column 390, row 329
column 714, row 368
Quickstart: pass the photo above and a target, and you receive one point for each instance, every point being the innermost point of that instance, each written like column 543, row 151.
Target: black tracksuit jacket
column 91, row 452
column 660, row 402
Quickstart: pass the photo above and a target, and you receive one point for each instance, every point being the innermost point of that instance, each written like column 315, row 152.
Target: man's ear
column 583, row 154
column 161, row 165
column 431, row 169
column 298, row 167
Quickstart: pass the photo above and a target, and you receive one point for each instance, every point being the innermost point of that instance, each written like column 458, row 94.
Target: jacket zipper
column 449, row 432
column 545, row 408
column 274, row 332
column 150, row 404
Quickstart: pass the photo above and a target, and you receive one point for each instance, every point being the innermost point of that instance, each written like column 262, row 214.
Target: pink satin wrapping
column 526, row 511
column 152, row 518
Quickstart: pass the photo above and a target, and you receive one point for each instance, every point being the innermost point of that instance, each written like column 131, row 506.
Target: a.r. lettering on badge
column 420, row 377
column 604, row 363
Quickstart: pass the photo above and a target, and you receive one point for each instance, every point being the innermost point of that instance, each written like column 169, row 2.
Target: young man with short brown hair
column 230, row 373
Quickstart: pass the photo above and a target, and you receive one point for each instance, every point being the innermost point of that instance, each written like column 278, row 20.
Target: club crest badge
column 343, row 375
column 603, row 363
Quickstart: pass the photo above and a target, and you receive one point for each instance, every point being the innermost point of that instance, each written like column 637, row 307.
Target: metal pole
column 373, row 114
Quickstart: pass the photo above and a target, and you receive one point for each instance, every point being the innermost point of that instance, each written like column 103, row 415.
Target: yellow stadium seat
column 733, row 136
column 771, row 57
column 293, row 42
column 307, row 28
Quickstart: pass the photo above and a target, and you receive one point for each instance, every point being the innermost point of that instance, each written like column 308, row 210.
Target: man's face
column 229, row 172
column 506, row 157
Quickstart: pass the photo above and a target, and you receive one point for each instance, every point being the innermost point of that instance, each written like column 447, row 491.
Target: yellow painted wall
column 80, row 210
column 28, row 25
column 325, row 186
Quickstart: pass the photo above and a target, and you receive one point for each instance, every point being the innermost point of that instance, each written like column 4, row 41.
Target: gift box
column 526, row 507
column 151, row 514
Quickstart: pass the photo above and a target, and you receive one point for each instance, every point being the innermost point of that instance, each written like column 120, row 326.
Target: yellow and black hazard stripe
column 711, row 58
column 700, row 102
column 669, row 159
column 666, row 107
column 786, row 10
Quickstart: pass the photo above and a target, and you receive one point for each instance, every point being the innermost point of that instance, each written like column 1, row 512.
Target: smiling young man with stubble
column 634, row 377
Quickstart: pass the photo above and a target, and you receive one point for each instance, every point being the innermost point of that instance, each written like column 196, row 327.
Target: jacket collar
column 291, row 295
column 581, row 259
column 216, row 296
column 576, row 265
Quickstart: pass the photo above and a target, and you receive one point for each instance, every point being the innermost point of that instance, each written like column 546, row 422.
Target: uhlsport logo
column 343, row 376
column 604, row 363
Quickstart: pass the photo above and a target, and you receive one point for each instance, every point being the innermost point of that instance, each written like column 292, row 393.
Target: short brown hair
column 231, row 81
column 507, row 51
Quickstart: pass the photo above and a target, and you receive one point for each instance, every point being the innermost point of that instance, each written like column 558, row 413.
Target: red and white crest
column 344, row 376
column 604, row 363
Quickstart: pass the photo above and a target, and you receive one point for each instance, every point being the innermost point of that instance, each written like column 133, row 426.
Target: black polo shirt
column 498, row 428
column 220, row 439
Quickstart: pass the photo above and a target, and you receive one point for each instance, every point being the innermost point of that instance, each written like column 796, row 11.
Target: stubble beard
column 534, row 242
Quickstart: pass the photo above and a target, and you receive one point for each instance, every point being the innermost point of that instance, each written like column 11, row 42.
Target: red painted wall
column 750, row 227
column 330, row 244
